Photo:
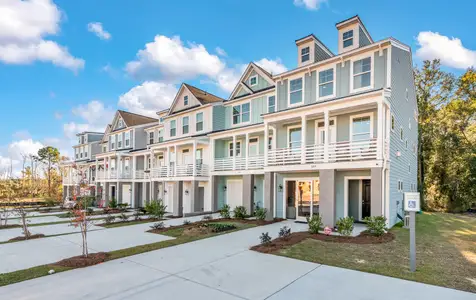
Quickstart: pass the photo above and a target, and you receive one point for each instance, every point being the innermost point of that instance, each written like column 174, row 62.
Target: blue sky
column 58, row 75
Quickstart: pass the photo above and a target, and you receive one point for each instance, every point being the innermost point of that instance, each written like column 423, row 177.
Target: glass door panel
column 303, row 199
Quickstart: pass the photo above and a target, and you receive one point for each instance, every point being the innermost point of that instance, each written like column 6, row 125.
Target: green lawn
column 446, row 252
column 39, row 271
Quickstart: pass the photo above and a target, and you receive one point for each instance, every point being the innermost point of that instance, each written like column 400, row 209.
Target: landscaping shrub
column 156, row 208
column 345, row 226
column 124, row 217
column 207, row 218
column 186, row 222
column 265, row 238
column 315, row 223
column 50, row 202
column 400, row 224
column 284, row 232
column 137, row 214
column 112, row 203
column 123, row 206
column 260, row 213
column 158, row 225
column 109, row 219
column 376, row 225
column 225, row 212
column 219, row 227
column 239, row 212
column 89, row 210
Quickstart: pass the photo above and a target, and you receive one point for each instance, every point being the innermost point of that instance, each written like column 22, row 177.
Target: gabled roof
column 262, row 72
column 108, row 129
column 132, row 119
column 317, row 41
column 355, row 19
column 202, row 96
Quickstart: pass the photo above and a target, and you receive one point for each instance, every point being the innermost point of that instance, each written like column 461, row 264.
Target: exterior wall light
column 224, row 188
column 280, row 187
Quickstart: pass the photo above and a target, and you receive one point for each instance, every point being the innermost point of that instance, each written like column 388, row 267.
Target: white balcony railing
column 141, row 174
column 179, row 171
column 241, row 163
column 353, row 150
column 284, row 156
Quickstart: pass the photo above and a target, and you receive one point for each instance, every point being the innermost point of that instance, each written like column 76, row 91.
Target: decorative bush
column 112, row 203
column 137, row 214
column 123, row 206
column 284, row 232
column 265, row 238
column 220, row 227
column 225, row 212
column 345, row 226
column 376, row 225
column 239, row 212
column 124, row 217
column 50, row 202
column 89, row 211
column 186, row 222
column 156, row 208
column 109, row 219
column 159, row 225
column 315, row 223
column 207, row 218
column 260, row 213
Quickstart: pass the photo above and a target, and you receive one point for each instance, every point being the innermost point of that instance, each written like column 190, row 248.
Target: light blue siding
column 363, row 40
column 219, row 117
column 258, row 106
column 320, row 54
column 259, row 191
column 262, row 83
column 343, row 77
column 380, row 77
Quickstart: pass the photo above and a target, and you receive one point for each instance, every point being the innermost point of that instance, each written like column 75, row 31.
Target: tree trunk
column 49, row 177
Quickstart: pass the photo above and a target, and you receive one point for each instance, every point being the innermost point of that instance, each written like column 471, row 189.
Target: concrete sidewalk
column 222, row 268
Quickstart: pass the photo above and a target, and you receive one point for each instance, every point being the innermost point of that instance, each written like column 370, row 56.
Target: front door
column 365, row 198
column 303, row 199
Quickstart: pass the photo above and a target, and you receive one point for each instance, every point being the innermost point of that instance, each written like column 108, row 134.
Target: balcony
column 239, row 163
column 201, row 170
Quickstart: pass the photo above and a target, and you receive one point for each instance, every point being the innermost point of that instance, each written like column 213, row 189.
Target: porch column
column 176, row 160
column 134, row 198
column 194, row 158
column 247, row 137
column 133, row 167
column 109, row 167
column 215, row 184
column 212, row 154
column 269, row 194
column 144, row 193
column 376, row 191
column 194, row 205
column 380, row 120
column 248, row 192
column 266, row 139
column 327, row 200
column 326, row 136
column 303, row 139
column 178, row 199
column 234, row 152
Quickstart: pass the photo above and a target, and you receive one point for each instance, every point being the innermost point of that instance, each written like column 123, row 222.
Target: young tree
column 49, row 156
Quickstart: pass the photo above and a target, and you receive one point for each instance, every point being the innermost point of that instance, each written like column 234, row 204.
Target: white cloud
column 23, row 147
column 58, row 116
column 310, row 4
column 97, row 29
column 174, row 61
column 450, row 51
column 94, row 116
column 221, row 52
column 148, row 98
column 229, row 77
column 272, row 66
column 23, row 28
column 21, row 135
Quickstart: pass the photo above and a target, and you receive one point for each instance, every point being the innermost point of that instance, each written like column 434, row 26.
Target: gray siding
column 219, row 117
column 282, row 94
column 363, row 40
column 319, row 53
column 343, row 77
column 94, row 137
column 95, row 149
column 402, row 79
column 262, row 83
column 380, row 76
column 140, row 138
column 310, row 88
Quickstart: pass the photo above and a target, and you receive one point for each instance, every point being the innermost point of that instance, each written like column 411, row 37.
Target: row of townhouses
column 337, row 135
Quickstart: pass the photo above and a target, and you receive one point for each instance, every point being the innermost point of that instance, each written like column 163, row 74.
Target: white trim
column 352, row 38
column 234, row 150
column 243, row 76
column 254, row 143
column 254, row 76
column 346, row 192
column 334, row 81
column 304, row 46
column 288, row 129
column 303, row 78
column 316, row 129
column 351, row 121
column 241, row 114
column 188, row 100
column 389, row 67
column 372, row 72
column 275, row 103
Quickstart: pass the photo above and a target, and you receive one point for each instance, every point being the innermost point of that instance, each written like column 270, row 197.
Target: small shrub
column 265, row 238
column 260, row 213
column 124, row 217
column 376, row 225
column 186, row 222
column 69, row 214
column 345, row 226
column 207, row 218
column 284, row 232
column 112, row 203
column 89, row 211
column 315, row 223
column 123, row 206
column 219, row 227
column 156, row 208
column 137, row 214
column 159, row 225
column 400, row 224
column 50, row 202
column 239, row 212
column 225, row 212
column 142, row 210
column 109, row 219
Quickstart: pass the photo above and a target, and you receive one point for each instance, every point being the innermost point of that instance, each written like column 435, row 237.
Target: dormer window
column 161, row 120
column 120, row 124
column 304, row 54
column 348, row 38
column 185, row 100
column 253, row 80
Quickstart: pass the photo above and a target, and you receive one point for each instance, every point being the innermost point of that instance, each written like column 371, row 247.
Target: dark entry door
column 365, row 198
column 113, row 192
column 199, row 204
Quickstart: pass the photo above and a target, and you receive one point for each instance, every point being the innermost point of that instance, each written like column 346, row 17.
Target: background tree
column 49, row 156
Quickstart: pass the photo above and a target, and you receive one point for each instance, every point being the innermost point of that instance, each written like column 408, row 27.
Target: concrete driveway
column 221, row 268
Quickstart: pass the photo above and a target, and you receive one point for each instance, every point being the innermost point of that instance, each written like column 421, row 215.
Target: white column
column 326, row 136
column 109, row 167
column 194, row 158
column 234, row 152
column 144, row 192
column 133, row 167
column 247, row 137
column 176, row 160
column 168, row 160
column 380, row 120
column 266, row 138
column 97, row 170
column 133, row 200
column 303, row 139
column 212, row 155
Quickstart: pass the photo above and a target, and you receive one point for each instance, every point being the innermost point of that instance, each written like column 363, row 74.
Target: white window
column 173, row 129
column 254, row 80
column 253, row 149
column 111, row 140
column 126, row 164
column 104, row 149
column 185, row 125
column 409, row 123
column 348, row 38
column 271, row 104
column 199, row 121
column 86, row 151
column 119, row 141
column 161, row 135
column 85, row 139
column 241, row 113
column 127, row 138
column 295, row 91
column 238, row 149
column 120, row 124
column 393, row 123
column 151, row 137
column 361, row 128
column 326, row 83
column 294, row 137
column 305, row 54
column 270, row 142
column 76, row 152
column 185, row 100
column 161, row 120
column 362, row 70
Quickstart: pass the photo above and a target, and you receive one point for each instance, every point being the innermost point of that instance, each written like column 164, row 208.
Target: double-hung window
column 271, row 104
column 361, row 128
column 294, row 137
column 151, row 137
column 304, row 54
column 119, row 141
column 185, row 125
column 253, row 80
column 241, row 113
column 326, row 83
column 362, row 73
column 199, row 122
column 112, row 142
column 185, row 100
column 161, row 135
column 348, row 38
column 86, row 151
column 173, row 129
column 231, row 150
column 127, row 139
column 295, row 91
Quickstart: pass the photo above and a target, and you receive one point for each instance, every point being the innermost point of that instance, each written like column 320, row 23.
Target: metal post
column 412, row 242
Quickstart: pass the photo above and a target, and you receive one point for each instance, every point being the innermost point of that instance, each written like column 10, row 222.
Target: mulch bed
column 132, row 221
column 81, row 261
column 32, row 237
column 363, row 239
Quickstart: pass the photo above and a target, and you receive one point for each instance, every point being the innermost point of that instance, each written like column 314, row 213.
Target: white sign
column 412, row 202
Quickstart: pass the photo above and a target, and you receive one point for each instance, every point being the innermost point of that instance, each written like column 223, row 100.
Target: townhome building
column 336, row 136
